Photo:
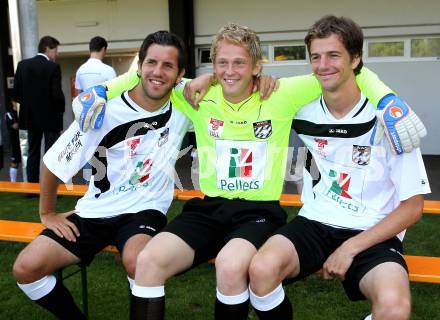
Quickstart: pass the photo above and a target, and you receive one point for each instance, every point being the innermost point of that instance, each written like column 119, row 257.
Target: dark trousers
column 14, row 142
column 34, row 154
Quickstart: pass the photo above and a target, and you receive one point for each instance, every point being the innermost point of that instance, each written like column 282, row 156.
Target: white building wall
column 278, row 21
column 297, row 15
column 125, row 24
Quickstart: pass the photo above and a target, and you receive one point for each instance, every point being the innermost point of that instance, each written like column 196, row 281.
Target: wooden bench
column 19, row 231
column 421, row 268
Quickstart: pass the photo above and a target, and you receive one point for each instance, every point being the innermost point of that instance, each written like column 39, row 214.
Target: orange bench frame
column 421, row 268
column 288, row 200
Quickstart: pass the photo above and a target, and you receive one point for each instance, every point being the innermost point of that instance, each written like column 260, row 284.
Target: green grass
column 191, row 296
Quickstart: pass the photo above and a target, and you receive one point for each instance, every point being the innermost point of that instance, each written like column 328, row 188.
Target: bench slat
column 421, row 268
column 20, row 231
column 288, row 200
column 34, row 187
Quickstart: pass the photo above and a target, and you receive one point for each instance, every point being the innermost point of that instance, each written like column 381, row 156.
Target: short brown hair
column 164, row 38
column 47, row 42
column 240, row 35
column 346, row 29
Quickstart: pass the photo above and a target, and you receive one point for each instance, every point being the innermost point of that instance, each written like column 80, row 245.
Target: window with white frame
column 392, row 49
column 385, row 49
column 289, row 53
column 413, row 48
column 425, row 47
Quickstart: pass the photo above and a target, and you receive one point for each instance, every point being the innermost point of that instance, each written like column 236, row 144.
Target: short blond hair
column 239, row 35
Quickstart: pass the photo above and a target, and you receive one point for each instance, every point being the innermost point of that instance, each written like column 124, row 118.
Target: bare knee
column 130, row 265
column 27, row 270
column 153, row 266
column 392, row 307
column 264, row 273
column 147, row 259
column 232, row 272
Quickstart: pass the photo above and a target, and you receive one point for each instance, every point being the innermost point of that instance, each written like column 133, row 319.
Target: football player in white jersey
column 132, row 186
column 355, row 214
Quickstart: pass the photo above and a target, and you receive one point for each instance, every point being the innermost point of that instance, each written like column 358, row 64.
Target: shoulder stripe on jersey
column 310, row 166
column 362, row 108
column 126, row 102
column 335, row 130
column 121, row 133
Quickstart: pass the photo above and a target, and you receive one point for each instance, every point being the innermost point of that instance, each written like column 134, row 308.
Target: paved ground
column 186, row 177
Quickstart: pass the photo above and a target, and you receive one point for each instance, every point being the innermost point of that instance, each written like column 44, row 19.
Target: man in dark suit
column 37, row 87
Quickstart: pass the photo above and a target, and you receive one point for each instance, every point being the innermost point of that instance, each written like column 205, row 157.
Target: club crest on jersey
column 361, row 155
column 215, row 127
column 132, row 145
column 163, row 137
column 262, row 129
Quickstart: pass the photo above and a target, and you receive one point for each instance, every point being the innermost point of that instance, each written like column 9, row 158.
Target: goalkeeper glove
column 401, row 125
column 89, row 107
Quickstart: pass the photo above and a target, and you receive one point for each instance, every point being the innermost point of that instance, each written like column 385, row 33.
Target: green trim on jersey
column 242, row 147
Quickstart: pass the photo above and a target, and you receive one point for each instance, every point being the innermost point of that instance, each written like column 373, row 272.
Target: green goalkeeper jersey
column 242, row 147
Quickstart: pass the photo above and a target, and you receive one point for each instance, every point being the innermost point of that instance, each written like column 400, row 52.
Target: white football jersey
column 133, row 157
column 356, row 184
column 92, row 73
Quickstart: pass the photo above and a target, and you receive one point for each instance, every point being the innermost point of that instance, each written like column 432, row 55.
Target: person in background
column 94, row 71
column 37, row 88
column 11, row 119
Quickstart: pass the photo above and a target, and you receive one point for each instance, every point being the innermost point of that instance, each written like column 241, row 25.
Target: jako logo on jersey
column 361, row 155
column 142, row 172
column 337, row 130
column 396, row 112
column 240, row 163
column 262, row 129
column 215, row 127
column 132, row 145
